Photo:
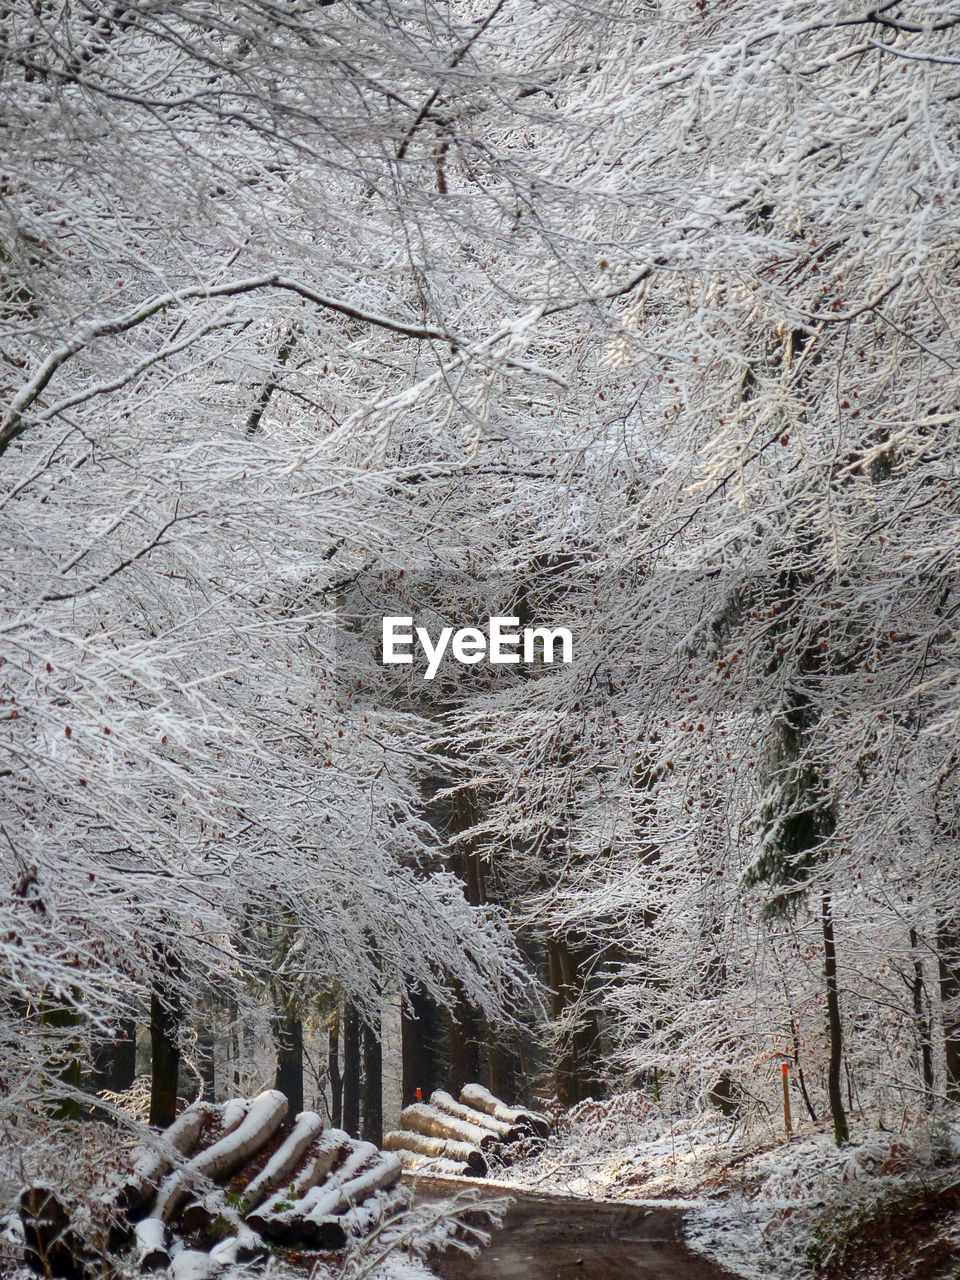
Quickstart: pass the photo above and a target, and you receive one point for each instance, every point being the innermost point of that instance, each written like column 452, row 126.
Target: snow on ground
column 757, row 1204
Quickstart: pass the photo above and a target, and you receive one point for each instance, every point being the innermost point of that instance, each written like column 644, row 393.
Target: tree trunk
column 464, row 1047
column 333, row 1072
column 351, row 1070
column 165, row 1014
column 575, row 1072
column 206, row 1061
column 371, row 1125
column 922, row 1020
column 503, row 1067
column 841, row 1130
column 114, row 1057
column 948, row 961
column 288, row 1033
column 420, row 1030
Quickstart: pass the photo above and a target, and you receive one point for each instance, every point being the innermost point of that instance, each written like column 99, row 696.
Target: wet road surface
column 544, row 1238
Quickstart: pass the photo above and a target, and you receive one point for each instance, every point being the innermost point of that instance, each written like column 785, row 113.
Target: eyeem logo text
column 501, row 644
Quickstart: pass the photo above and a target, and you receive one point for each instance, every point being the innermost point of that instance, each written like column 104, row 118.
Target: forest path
column 553, row 1238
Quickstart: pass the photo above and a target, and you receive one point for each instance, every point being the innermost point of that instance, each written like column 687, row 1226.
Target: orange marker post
column 785, row 1071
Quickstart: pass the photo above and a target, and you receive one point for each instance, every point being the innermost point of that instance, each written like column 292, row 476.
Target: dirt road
column 544, row 1238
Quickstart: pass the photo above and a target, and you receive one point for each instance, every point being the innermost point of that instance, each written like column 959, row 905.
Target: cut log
column 299, row 1222
column 465, row 1153
column 151, row 1250
column 234, row 1110
column 366, row 1217
column 245, row 1246
column 414, row 1163
column 444, row 1102
column 384, row 1175
column 273, row 1218
column 51, row 1247
column 199, row 1215
column 481, row 1099
column 218, row 1162
column 325, row 1225
column 194, row 1265
column 151, row 1163
column 436, row 1124
column 284, row 1160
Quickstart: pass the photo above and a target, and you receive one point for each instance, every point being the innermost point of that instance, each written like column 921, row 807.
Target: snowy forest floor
column 884, row 1207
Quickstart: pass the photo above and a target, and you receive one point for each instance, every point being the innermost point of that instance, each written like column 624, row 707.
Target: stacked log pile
column 224, row 1185
column 458, row 1138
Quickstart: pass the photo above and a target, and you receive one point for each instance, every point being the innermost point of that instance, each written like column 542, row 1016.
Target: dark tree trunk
column 333, row 1071
column 351, row 1071
column 114, row 1057
column 269, row 387
column 422, row 1061
column 206, row 1061
column 576, row 1071
column 67, row 1065
column 922, row 1019
column 841, row 1130
column 165, row 1016
column 464, row 1045
column 948, row 961
column 371, row 1127
column 503, row 1068
column 288, row 1034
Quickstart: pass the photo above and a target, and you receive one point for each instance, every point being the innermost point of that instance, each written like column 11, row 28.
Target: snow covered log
column 414, row 1163
column 464, row 1153
column 151, row 1163
column 481, row 1099
column 285, row 1159
column 245, row 1246
column 382, row 1176
column 436, row 1124
column 380, row 1208
column 324, row 1225
column 446, row 1103
column 274, row 1218
column 151, row 1251
column 51, row 1247
column 264, row 1117
column 192, row 1264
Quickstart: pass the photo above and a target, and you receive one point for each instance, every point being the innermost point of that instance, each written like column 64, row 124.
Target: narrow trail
column 549, row 1238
